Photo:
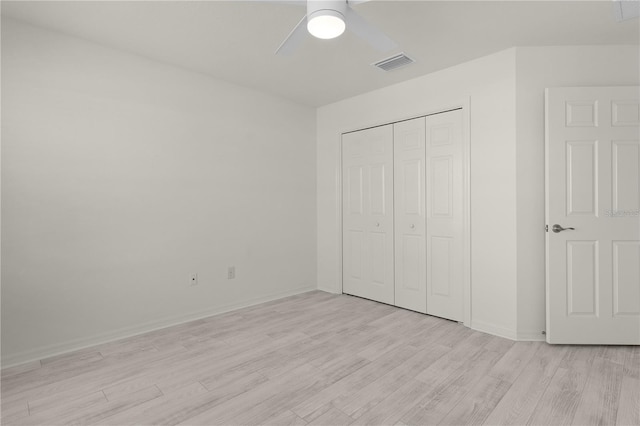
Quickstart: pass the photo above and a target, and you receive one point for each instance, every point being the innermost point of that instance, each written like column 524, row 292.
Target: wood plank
column 128, row 387
column 93, row 415
column 520, row 401
column 318, row 412
column 629, row 406
column 460, row 355
column 285, row 418
column 176, row 411
column 148, row 412
column 263, row 401
column 284, row 399
column 333, row 417
column 559, row 402
column 632, row 362
column 354, row 382
column 477, row 404
column 392, row 408
column 52, row 372
column 94, row 379
column 501, row 345
column 457, row 334
column 22, row 368
column 509, row 367
column 599, row 403
column 95, row 400
column 614, row 353
column 341, row 367
column 54, row 402
column 355, row 404
column 446, row 390
column 13, row 413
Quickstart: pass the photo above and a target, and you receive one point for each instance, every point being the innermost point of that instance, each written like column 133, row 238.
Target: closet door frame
column 465, row 105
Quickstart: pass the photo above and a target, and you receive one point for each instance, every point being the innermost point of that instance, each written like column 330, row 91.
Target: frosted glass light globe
column 326, row 24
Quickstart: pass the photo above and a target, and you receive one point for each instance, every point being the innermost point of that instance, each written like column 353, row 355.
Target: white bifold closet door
column 403, row 214
column 409, row 194
column 444, row 209
column 367, row 179
column 428, row 207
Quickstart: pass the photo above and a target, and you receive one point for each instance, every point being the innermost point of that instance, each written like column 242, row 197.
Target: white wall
column 489, row 84
column 120, row 176
column 537, row 69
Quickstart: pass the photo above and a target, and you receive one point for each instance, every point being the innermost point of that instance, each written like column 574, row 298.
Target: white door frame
column 465, row 105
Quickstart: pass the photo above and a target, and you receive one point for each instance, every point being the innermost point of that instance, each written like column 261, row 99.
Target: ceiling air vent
column 394, row 62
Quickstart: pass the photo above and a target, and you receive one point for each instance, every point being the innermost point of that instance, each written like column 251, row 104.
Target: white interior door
column 444, row 209
column 367, row 239
column 409, row 193
column 593, row 191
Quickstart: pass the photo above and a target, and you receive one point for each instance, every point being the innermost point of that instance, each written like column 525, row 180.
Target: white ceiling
column 235, row 40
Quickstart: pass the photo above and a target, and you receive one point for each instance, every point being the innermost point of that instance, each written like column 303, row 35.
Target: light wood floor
column 326, row 359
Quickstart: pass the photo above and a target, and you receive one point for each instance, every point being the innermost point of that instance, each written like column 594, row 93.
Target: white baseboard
column 507, row 333
column 531, row 336
column 47, row 351
column 495, row 330
column 329, row 290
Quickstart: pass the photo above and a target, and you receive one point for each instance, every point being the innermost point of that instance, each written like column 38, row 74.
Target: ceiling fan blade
column 625, row 9
column 293, row 40
column 366, row 31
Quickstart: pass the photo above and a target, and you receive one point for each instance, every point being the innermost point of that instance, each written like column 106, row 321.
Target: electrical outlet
column 193, row 279
column 231, row 272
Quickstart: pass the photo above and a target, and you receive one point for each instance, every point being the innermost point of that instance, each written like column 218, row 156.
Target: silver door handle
column 557, row 228
column 412, row 226
column 377, row 224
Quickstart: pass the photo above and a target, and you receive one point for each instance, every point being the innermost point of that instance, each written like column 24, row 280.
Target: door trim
column 465, row 105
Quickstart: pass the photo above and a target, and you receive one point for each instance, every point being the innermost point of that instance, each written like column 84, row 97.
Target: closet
column 402, row 202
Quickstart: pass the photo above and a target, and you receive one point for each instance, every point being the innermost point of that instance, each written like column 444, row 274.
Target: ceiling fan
column 328, row 19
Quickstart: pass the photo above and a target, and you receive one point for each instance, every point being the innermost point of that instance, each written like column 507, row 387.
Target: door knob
column 412, row 226
column 557, row 228
column 377, row 224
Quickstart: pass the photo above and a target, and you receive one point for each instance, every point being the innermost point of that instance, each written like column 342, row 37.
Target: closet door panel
column 409, row 213
column 444, row 211
column 355, row 256
column 368, row 214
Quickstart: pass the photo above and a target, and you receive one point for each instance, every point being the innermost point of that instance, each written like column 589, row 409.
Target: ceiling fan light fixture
column 326, row 24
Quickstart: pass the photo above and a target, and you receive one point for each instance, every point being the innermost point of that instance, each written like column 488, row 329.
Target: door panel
column 441, row 264
column 626, row 176
column 378, row 251
column 582, row 113
column 412, row 262
column 626, row 276
column 354, row 249
column 368, row 214
column 354, row 182
column 581, row 179
column 444, row 215
column 592, row 185
column 411, row 175
column 409, row 194
column 582, row 278
column 378, row 188
column 625, row 113
column 441, row 186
